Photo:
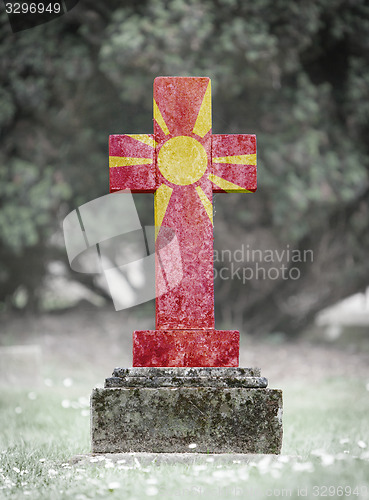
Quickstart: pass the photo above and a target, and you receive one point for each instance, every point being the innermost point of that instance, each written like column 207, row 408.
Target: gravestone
column 185, row 391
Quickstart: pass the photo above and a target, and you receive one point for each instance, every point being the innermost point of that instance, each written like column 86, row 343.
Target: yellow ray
column 203, row 120
column 122, row 161
column 145, row 138
column 237, row 160
column 206, row 202
column 161, row 200
column 159, row 119
column 226, row 185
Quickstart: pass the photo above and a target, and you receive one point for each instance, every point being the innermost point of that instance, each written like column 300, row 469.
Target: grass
column 325, row 451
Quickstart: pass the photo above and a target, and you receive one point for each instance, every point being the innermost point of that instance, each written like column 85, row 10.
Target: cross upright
column 183, row 164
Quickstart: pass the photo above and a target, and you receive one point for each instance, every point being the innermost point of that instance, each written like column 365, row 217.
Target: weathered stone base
column 127, row 416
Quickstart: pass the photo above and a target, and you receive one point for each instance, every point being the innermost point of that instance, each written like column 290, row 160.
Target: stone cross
column 183, row 164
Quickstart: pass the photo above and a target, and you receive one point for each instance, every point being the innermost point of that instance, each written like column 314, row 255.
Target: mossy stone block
column 170, row 419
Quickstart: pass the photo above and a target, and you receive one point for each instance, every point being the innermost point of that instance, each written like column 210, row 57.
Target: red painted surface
column 185, row 334
column 191, row 305
column 137, row 178
column 185, row 348
column 234, row 145
column 179, row 101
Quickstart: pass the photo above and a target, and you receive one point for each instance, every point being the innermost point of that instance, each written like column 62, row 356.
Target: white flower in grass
column 243, row 474
column 152, row 491
column 264, row 464
column 18, row 410
column 152, row 480
column 121, row 461
column 344, row 440
column 327, row 460
column 32, row 396
column 192, row 446
column 277, row 465
column 26, row 492
column 114, row 485
column 42, row 460
column 85, row 413
column 275, row 473
column 109, row 465
column 361, row 444
column 303, row 467
column 210, row 459
column 94, row 459
column 220, row 474
column 318, row 453
column 52, row 472
column 199, row 467
column 67, row 382
column 124, row 467
column 65, row 403
column 15, row 469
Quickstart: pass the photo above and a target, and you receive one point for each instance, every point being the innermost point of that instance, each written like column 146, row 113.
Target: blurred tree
column 296, row 74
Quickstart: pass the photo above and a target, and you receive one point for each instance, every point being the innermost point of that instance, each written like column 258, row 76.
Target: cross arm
column 233, row 163
column 132, row 163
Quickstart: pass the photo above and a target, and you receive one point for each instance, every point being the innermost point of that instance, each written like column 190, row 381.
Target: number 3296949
column 33, row 8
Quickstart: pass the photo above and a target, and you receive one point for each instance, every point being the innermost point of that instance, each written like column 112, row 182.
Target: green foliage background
column 294, row 73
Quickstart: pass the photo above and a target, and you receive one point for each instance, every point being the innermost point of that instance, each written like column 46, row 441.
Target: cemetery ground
column 44, row 425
